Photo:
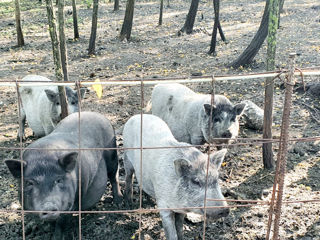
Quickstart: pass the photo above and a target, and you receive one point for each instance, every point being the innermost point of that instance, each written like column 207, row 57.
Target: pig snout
column 52, row 213
column 215, row 213
column 226, row 134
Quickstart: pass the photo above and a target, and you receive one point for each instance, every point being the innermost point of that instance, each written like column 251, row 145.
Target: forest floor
column 157, row 52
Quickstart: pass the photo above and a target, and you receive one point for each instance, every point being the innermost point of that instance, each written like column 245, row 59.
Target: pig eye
column 73, row 103
column 28, row 183
column 57, row 103
column 195, row 181
column 58, row 181
column 216, row 119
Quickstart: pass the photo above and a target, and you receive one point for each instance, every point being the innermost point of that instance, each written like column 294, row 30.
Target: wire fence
column 246, row 203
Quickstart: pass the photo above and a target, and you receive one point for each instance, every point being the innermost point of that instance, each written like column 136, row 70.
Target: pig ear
column 207, row 108
column 68, row 162
column 15, row 167
column 239, row 108
column 217, row 158
column 182, row 167
column 52, row 96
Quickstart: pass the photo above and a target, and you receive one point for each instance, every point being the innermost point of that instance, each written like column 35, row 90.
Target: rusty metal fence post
column 278, row 186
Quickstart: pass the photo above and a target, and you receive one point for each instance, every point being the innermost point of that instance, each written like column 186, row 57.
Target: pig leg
column 111, row 158
column 179, row 219
column 129, row 177
column 168, row 222
column 60, row 228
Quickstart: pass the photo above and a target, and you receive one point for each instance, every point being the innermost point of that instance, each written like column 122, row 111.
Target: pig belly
column 96, row 188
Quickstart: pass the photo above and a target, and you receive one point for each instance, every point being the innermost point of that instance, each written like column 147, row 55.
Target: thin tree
column 116, row 5
column 75, row 20
column 217, row 25
column 281, row 2
column 62, row 40
column 188, row 25
column 127, row 23
column 56, row 55
column 18, row 24
column 161, row 12
column 251, row 51
column 92, row 42
column 253, row 48
column 268, row 106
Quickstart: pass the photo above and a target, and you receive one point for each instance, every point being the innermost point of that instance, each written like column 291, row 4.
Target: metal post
column 278, row 186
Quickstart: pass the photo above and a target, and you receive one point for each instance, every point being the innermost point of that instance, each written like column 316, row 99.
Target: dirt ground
column 156, row 52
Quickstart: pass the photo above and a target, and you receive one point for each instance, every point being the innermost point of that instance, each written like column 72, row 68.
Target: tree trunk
column 116, row 5
column 62, row 38
column 54, row 40
column 128, row 19
column 168, row 3
column 268, row 161
column 217, row 25
column 56, row 52
column 216, row 6
column 223, row 38
column 281, row 3
column 161, row 12
column 75, row 20
column 18, row 24
column 250, row 52
column 188, row 25
column 92, row 42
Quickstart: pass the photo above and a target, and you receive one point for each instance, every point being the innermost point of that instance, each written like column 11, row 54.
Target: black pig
column 51, row 177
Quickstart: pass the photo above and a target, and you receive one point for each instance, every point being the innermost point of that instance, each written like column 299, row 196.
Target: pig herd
column 174, row 173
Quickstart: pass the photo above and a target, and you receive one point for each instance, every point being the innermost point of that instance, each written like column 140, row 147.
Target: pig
column 175, row 177
column 51, row 177
column 188, row 114
column 40, row 106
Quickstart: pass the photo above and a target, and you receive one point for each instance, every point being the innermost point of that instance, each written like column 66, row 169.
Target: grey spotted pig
column 188, row 114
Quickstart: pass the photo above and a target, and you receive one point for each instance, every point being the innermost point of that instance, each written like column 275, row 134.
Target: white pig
column 40, row 105
column 175, row 177
column 188, row 114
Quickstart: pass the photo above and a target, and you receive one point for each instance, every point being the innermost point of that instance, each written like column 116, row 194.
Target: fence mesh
column 247, row 143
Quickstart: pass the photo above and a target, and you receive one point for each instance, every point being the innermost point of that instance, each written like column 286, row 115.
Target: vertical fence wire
column 141, row 151
column 79, row 156
column 21, row 164
column 208, row 159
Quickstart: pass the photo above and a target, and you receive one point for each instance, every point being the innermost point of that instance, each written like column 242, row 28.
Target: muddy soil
column 156, row 52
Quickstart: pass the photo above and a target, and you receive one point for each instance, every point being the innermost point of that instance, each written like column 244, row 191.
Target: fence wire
column 142, row 82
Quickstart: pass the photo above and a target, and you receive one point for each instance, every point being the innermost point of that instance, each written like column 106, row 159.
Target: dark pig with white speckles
column 188, row 114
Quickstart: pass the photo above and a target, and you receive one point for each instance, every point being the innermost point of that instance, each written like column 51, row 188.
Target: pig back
column 155, row 133
column 96, row 132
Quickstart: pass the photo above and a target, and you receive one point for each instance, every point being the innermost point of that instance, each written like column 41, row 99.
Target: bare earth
column 156, row 52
